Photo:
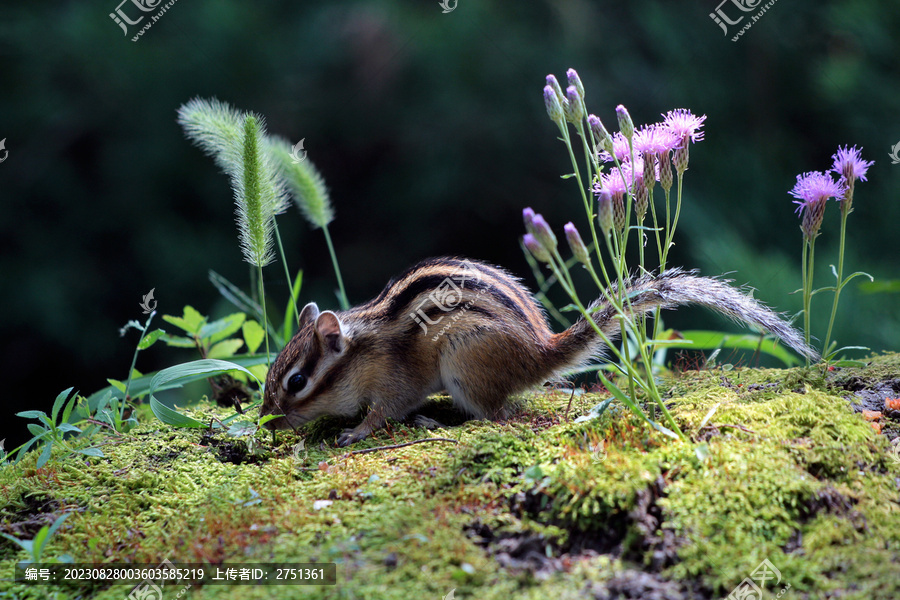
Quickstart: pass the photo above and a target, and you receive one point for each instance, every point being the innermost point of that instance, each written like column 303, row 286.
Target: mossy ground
column 536, row 507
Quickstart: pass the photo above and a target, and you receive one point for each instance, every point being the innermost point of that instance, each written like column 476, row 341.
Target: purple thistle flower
column 655, row 139
column 850, row 166
column 684, row 125
column 813, row 190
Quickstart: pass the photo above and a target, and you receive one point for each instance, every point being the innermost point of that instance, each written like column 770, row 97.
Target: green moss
column 791, row 474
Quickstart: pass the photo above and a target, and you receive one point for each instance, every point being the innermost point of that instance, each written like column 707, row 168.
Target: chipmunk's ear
column 309, row 313
column 328, row 328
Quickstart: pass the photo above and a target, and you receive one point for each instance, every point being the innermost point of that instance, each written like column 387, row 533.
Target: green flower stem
column 262, row 296
column 840, row 279
column 287, row 273
column 134, row 362
column 808, row 261
column 345, row 304
column 584, row 196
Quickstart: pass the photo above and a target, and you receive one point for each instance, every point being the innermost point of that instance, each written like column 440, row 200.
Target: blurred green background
column 431, row 132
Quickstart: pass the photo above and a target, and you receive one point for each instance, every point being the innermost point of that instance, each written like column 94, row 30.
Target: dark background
column 431, row 132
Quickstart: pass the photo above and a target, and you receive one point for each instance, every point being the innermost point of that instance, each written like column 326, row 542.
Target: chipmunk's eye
column 295, row 383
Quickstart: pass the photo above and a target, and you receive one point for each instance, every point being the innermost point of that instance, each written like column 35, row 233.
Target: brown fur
column 487, row 340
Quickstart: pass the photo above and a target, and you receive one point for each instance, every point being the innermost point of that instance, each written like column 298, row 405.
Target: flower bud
column 528, row 217
column 543, row 233
column 573, row 107
column 536, row 249
column 626, row 125
column 605, row 211
column 554, row 85
column 553, row 104
column 576, row 244
column 601, row 135
column 575, row 80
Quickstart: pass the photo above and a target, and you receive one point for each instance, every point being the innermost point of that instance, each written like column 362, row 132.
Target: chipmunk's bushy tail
column 669, row 289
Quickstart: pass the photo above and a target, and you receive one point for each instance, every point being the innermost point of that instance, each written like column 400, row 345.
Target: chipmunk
column 466, row 327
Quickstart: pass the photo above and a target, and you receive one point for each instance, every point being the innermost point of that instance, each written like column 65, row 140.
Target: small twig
column 395, row 446
column 107, row 425
column 741, row 427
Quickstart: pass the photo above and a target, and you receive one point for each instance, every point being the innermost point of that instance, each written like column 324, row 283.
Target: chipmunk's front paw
column 350, row 436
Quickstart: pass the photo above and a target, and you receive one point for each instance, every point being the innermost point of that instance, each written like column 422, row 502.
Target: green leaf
column 259, row 371
column 620, row 395
column 233, row 294
column 263, row 420
column 58, row 403
column 70, row 406
column 891, row 286
column 37, row 430
column 119, row 385
column 254, row 335
column 849, row 363
column 225, row 348
column 242, row 429
column 177, row 341
column 25, row 545
column 150, row 339
column 45, row 454
column 857, row 274
column 68, row 428
column 179, row 375
column 173, row 417
column 96, row 452
column 190, row 322
column 32, row 414
column 291, row 310
column 222, row 328
column 709, row 340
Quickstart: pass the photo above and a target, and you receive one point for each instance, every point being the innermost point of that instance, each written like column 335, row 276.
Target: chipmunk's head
column 307, row 380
